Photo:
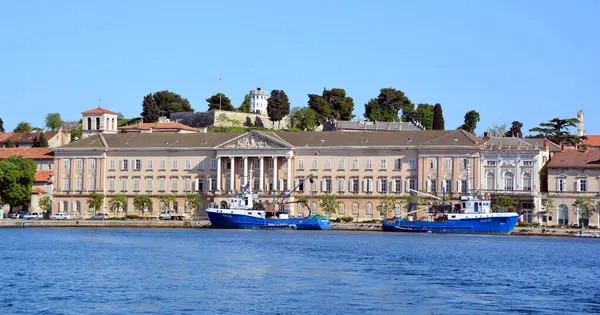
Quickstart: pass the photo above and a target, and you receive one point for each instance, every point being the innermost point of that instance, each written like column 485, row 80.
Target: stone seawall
column 373, row 227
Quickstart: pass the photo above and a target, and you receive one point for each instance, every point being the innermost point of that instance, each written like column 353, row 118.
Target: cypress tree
column 438, row 117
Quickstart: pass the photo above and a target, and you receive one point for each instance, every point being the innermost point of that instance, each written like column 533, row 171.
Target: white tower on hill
column 258, row 101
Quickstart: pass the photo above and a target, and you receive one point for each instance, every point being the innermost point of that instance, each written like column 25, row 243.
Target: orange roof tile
column 148, row 126
column 98, row 110
column 24, row 137
column 43, row 176
column 28, row 153
column 594, row 141
column 38, row 190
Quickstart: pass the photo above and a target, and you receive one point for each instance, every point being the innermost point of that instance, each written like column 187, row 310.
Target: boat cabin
column 469, row 204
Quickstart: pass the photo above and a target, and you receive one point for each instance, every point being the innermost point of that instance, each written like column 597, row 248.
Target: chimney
column 546, row 145
column 486, row 135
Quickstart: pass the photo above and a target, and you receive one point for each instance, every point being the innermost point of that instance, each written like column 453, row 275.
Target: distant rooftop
column 345, row 125
column 516, row 144
column 98, row 110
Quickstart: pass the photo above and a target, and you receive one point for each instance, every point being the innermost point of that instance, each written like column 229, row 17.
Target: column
column 218, row 173
column 289, row 173
column 261, row 174
column 232, row 179
column 245, row 170
column 274, row 173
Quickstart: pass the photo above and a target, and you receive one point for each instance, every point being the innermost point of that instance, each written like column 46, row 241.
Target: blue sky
column 509, row 60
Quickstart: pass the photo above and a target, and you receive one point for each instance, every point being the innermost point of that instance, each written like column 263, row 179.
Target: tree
column 332, row 105
column 386, row 106
column 503, row 203
column 278, row 105
column 220, row 102
column 245, row 106
column 54, row 121
column 193, row 201
column 16, row 179
column 497, row 130
column 1, row 125
column 45, row 204
column 76, row 133
column 328, row 204
column 23, row 127
column 118, row 202
column 584, row 208
column 515, row 130
column 385, row 204
column 167, row 202
column 95, row 201
column 548, row 204
column 471, row 120
column 142, row 203
column 163, row 103
column 438, row 117
column 424, row 115
column 557, row 131
column 303, row 118
column 40, row 141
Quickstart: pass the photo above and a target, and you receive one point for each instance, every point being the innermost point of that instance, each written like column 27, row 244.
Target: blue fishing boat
column 245, row 211
column 472, row 214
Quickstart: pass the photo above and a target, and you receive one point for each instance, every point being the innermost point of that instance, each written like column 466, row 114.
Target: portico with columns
column 256, row 161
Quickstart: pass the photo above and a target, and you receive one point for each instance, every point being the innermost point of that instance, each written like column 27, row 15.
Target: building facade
column 258, row 101
column 27, row 139
column 574, row 174
column 359, row 168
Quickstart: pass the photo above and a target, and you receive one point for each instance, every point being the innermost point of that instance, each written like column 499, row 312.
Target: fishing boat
column 471, row 214
column 246, row 211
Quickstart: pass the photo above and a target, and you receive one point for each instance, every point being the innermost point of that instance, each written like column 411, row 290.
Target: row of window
column 66, row 184
column 524, row 163
column 76, row 207
column 355, row 208
column 464, row 163
column 136, row 164
column 382, row 185
column 580, row 185
column 79, row 164
column 508, row 181
column 412, row 164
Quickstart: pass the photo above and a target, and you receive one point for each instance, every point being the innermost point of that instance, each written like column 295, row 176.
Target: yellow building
column 358, row 167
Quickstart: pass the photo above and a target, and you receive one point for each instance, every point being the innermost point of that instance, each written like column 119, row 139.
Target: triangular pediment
column 254, row 140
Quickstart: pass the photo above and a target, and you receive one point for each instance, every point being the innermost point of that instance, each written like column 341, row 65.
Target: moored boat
column 472, row 214
column 245, row 211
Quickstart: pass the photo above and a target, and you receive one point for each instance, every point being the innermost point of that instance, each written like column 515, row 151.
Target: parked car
column 21, row 214
column 100, row 216
column 34, row 216
column 170, row 215
column 60, row 216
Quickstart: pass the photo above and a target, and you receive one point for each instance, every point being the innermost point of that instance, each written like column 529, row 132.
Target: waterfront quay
column 159, row 224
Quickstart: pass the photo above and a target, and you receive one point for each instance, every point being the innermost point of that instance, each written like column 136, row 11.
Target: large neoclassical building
column 358, row 167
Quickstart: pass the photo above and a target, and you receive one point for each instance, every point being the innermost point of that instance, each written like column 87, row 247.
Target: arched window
column 527, row 181
column 187, row 206
column 355, row 208
column 314, row 209
column 369, row 209
column 341, row 208
column 397, row 209
column 490, row 181
column 509, row 181
column 77, row 209
column 563, row 214
column 175, row 206
column 224, row 205
column 97, row 123
column 162, row 205
column 89, row 123
column 65, row 207
column 107, row 126
column 114, row 125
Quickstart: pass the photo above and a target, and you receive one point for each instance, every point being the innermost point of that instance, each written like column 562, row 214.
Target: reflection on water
column 185, row 271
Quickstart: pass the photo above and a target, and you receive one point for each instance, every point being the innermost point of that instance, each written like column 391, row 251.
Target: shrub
column 344, row 219
column 132, row 217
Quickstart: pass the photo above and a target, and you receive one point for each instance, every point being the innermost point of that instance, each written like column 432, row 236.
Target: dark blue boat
column 472, row 214
column 246, row 212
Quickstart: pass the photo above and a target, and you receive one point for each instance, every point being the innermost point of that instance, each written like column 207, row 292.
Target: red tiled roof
column 575, row 158
column 24, row 137
column 164, row 125
column 28, row 153
column 38, row 190
column 98, row 110
column 43, row 176
column 594, row 141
